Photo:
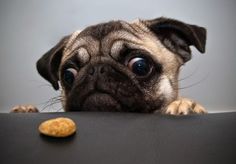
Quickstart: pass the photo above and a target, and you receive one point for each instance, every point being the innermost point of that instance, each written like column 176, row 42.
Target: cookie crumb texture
column 58, row 127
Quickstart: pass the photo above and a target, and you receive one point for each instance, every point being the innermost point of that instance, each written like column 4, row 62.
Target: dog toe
column 199, row 109
column 184, row 106
column 24, row 109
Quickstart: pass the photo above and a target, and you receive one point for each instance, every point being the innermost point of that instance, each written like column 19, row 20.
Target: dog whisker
column 51, row 102
column 59, row 110
column 190, row 75
column 196, row 83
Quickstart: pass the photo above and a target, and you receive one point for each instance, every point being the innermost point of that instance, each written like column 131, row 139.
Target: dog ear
column 49, row 63
column 178, row 36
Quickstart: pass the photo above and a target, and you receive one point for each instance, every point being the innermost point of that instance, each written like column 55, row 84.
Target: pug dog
column 123, row 67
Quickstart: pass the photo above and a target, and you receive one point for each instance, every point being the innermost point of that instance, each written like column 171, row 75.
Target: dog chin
column 100, row 102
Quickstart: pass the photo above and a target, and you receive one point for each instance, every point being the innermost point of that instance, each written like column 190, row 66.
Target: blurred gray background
column 29, row 28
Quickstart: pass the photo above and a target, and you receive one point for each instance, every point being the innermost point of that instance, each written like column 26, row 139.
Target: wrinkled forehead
column 98, row 38
column 109, row 39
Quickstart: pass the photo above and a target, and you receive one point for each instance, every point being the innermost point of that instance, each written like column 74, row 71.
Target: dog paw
column 24, row 109
column 184, row 106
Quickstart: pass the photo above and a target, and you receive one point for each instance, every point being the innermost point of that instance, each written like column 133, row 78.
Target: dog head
column 121, row 66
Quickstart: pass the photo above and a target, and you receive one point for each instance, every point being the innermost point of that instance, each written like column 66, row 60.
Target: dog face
column 120, row 66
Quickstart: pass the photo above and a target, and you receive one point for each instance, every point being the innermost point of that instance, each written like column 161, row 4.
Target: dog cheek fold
column 166, row 88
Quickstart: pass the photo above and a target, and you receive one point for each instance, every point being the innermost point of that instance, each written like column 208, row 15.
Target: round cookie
column 58, row 127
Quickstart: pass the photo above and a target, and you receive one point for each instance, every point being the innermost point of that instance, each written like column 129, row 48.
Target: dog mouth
column 97, row 100
column 100, row 101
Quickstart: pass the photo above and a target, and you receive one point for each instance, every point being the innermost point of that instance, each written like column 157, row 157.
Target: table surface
column 123, row 138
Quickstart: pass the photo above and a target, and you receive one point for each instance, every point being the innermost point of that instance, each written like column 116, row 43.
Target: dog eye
column 140, row 66
column 69, row 75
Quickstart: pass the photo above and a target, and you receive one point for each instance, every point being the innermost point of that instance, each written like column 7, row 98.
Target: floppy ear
column 178, row 36
column 49, row 63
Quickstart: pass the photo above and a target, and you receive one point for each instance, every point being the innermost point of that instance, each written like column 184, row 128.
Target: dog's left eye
column 140, row 66
column 69, row 75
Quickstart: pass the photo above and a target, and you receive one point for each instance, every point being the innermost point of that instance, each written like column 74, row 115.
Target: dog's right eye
column 69, row 76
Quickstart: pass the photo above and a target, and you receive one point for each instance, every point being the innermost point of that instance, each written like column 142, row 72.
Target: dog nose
column 99, row 69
